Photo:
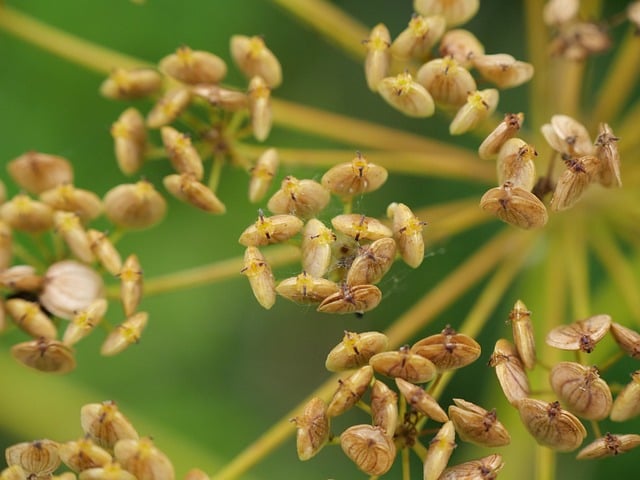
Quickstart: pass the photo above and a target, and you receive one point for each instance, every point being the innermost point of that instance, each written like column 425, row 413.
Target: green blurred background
column 214, row 370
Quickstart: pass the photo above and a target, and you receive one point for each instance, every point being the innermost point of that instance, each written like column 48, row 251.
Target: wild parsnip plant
column 457, row 243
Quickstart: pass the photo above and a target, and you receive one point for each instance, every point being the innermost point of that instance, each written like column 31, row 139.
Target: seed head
column 38, row 459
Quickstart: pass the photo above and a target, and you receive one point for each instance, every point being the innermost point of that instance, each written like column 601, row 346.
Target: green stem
column 406, row 464
column 216, row 171
column 546, row 464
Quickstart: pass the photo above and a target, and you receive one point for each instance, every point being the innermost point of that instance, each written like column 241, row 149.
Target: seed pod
column 21, row 278
column 355, row 350
column 38, row 459
column 45, row 355
column 350, row 391
column 260, row 277
column 168, row 107
column 303, row 198
column 135, row 205
column 69, row 227
column 455, row 12
column 479, row 105
column 6, row 245
column 378, row 59
column 260, row 108
column 312, row 429
column 508, row 128
column 404, row 364
column 550, row 425
column 515, row 164
column 581, row 389
column 567, row 136
column 262, row 174
column 421, row 401
column 222, row 98
column 573, row 181
column 186, row 188
column 417, row 40
column 142, row 458
column 609, row 446
column 476, row 425
column 485, row 468
column 193, row 66
column 85, row 204
column 510, row 371
column 440, row 450
column 38, row 172
column 578, row 40
column 83, row 323
column 316, row 248
column 581, row 335
column 372, row 262
column 352, row 299
column 407, row 232
column 130, row 284
column 125, row 84
column 462, row 46
column 306, row 289
column 503, row 70
column 447, row 81
column 354, row 178
column 70, row 287
column 515, row 205
column 627, row 339
column 360, row 227
column 30, row 318
column 130, row 140
column 384, row 408
column 608, row 156
column 559, row 12
column 274, row 229
column 82, row 454
column 448, row 350
column 523, row 338
column 369, row 448
column 125, row 334
column 627, row 403
column 406, row 95
column 105, row 251
column 105, row 424
column 253, row 58
column 110, row 471
column 183, row 156
column 27, row 215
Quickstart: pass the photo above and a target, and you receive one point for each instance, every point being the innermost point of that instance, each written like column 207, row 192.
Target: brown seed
column 407, row 232
column 627, row 403
column 447, row 81
column 129, row 84
column 462, row 45
column 558, row 12
column 193, row 66
column 609, row 446
column 38, row 172
column 573, row 181
column 581, row 389
column 350, row 391
column 260, row 108
column 105, row 424
column 125, row 334
column 262, row 175
column 510, row 371
column 85, row 204
column 27, row 215
column 369, row 448
column 183, row 155
column 186, row 188
column 83, row 323
column 523, row 338
column 581, row 335
column 417, row 40
column 421, row 401
column 404, row 364
column 515, row 164
column 406, row 95
column 312, row 429
column 478, row 106
column 105, row 251
column 355, row 350
column 448, row 350
column 82, row 454
column 30, row 318
column 439, row 452
column 110, row 471
column 384, row 408
column 306, row 289
column 515, row 205
column 135, row 205
column 22, row 278
column 372, row 262
column 476, row 425
column 378, row 59
column 274, row 229
column 352, row 299
column 503, row 70
column 455, row 12
column 130, row 140
column 38, row 459
column 69, row 227
column 607, row 153
column 508, row 128
column 196, row 474
column 260, row 277
column 360, row 227
column 354, row 178
column 131, row 280
column 578, row 40
column 45, row 355
column 143, row 459
column 550, row 425
column 485, row 468
column 303, row 198
column 222, row 98
column 169, row 107
column 253, row 58
column 316, row 247
column 567, row 136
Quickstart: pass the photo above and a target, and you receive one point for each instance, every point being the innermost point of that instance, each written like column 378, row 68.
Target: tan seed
column 143, row 459
column 260, row 108
column 87, row 205
column 27, row 215
column 360, row 227
column 123, row 84
column 83, row 323
column 478, row 106
column 581, row 335
column 355, row 350
column 508, row 128
column 627, row 339
column 476, row 425
column 186, row 188
column 515, row 205
column 607, row 153
column 260, row 277
column 568, row 136
column 37, row 172
column 462, row 45
column 303, row 198
column 439, row 452
column 110, row 471
column 372, row 262
column 37, row 459
column 447, row 81
column 316, row 248
column 169, row 107
column 354, row 178
column 306, row 289
column 183, row 155
column 384, row 408
column 274, row 229
column 131, row 280
column 510, row 371
column 105, row 251
column 378, row 59
column 30, row 318
column 193, row 66
column 523, row 337
column 350, row 391
column 312, row 429
column 262, row 175
column 581, row 389
column 448, row 350
column 503, row 70
column 406, row 95
column 105, row 424
column 82, row 454
column 550, row 425
column 125, row 334
column 130, row 140
column 627, row 403
column 407, row 232
column 352, row 299
column 369, row 448
column 609, row 446
column 417, row 40
column 404, row 364
column 21, row 278
column 580, row 172
column 223, row 98
column 421, row 401
column 485, row 468
column 253, row 58
column 515, row 164
column 45, row 355
column 69, row 227
column 136, row 205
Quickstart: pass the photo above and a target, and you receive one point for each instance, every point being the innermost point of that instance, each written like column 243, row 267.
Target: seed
column 352, row 299
column 407, row 232
column 105, row 424
column 110, row 471
column 85, row 204
column 221, row 98
column 523, row 338
column 369, row 448
column 69, row 227
column 350, row 391
column 262, row 175
column 581, row 335
column 306, row 289
column 193, row 66
column 312, row 429
column 462, row 46
column 447, row 81
column 354, row 178
column 439, row 452
column 421, row 401
column 404, row 364
column 607, row 153
column 355, row 350
column 131, row 280
column 130, row 140
column 260, row 108
column 510, row 371
column 142, row 459
column 37, row 459
column 135, row 205
column 183, row 155
column 169, row 107
column 253, row 58
column 130, row 84
column 196, row 474
column 406, row 95
column 85, row 321
column 476, row 425
column 503, row 70
column 508, row 128
column 21, row 278
column 550, row 425
column 360, row 227
column 372, row 262
column 567, row 136
column 316, row 248
column 303, row 198
column 13, row 472
column 186, row 188
column 609, row 446
column 384, row 408
column 485, row 468
column 82, row 454
column 417, row 40
column 105, row 251
column 274, row 229
column 38, row 172
column 455, row 12
column 515, row 205
column 30, row 318
column 515, row 164
column 578, row 40
column 448, row 350
column 573, row 181
column 378, row 58
column 627, row 403
column 125, row 334
column 559, row 12
column 581, row 389
column 45, row 355
column 479, row 105
column 260, row 277
column 27, row 215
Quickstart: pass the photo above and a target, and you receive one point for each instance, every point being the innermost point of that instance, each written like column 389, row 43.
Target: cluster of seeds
column 427, row 80
column 340, row 265
column 52, row 265
column 187, row 89
column 109, row 449
column 580, row 390
column 398, row 419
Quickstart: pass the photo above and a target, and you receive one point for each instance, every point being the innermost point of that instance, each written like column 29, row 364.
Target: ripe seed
column 627, row 339
column 105, row 251
column 378, row 58
column 183, row 155
column 515, row 164
column 567, row 136
column 406, row 95
column 384, row 408
column 372, row 262
column 355, row 350
column 510, row 371
column 30, row 318
column 303, row 198
column 135, row 205
column 404, row 364
column 105, row 424
column 38, row 172
column 312, row 429
column 260, row 108
column 369, row 448
column 125, row 334
column 485, row 468
column 455, row 12
column 360, row 227
column 523, row 338
column 550, row 425
column 608, row 156
column 627, row 403
column 448, row 350
column 253, row 58
column 609, row 446
column 417, row 40
column 274, row 229
column 421, row 401
column 503, row 70
column 38, row 459
column 21, row 278
column 169, row 107
column 85, row 204
column 573, row 182
column 130, row 140
column 479, row 105
column 69, row 227
column 352, row 299
column 581, row 389
column 508, row 128
column 130, row 84
column 476, row 425
column 193, row 66
column 83, row 454
column 83, row 323
column 27, row 215
column 354, row 178
column 306, row 289
column 447, row 81
column 141, row 458
column 350, row 391
column 462, row 46
column 262, row 175
column 515, row 205
column 187, row 189
column 316, row 248
column 222, row 98
column 45, row 355
column 407, row 232
column 581, row 335
column 439, row 452
column 260, row 277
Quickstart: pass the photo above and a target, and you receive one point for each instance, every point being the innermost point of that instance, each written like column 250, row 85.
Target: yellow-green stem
column 538, row 55
column 406, row 464
column 546, row 464
column 596, row 429
column 216, row 171
column 568, row 82
column 611, row 361
column 419, row 450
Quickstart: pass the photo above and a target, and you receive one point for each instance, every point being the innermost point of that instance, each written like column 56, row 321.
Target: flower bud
column 274, row 229
column 372, row 262
column 510, row 372
column 355, row 350
column 27, row 215
column 448, row 350
column 306, row 289
column 312, row 429
column 417, row 40
column 30, row 318
column 581, row 335
column 406, row 95
column 439, row 452
column 476, row 425
column 38, row 459
column 125, row 84
column 193, row 66
column 68, row 226
column 130, row 140
column 503, row 70
column 573, row 182
column 354, row 178
column 105, row 251
column 141, row 458
column 260, row 277
column 105, row 424
column 253, row 58
column 45, row 355
column 303, row 198
column 260, row 108
column 134, row 205
column 378, row 59
column 446, row 81
column 404, row 364
column 83, row 322
column 316, row 248
column 508, row 128
column 455, row 12
column 37, row 172
column 369, row 448
column 187, row 189
column 515, row 205
column 83, row 454
column 350, row 391
column 125, row 334
column 462, row 46
column 262, row 174
column 169, row 107
column 550, row 425
column 84, row 203
column 352, row 299
column 479, row 105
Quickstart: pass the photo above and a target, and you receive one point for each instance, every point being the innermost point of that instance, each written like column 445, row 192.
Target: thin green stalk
column 538, row 56
column 545, row 464
column 406, row 464
column 216, row 171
